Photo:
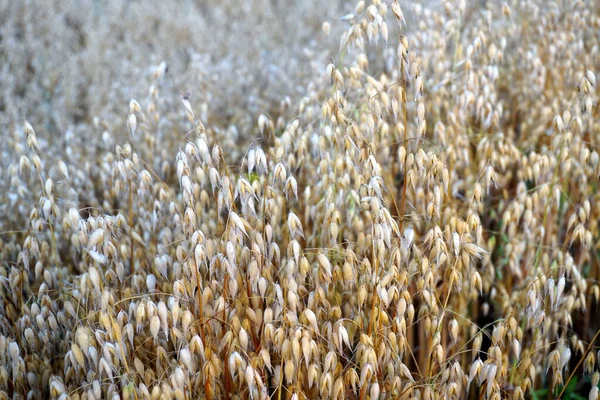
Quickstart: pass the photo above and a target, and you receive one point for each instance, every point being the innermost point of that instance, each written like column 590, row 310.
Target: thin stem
column 579, row 363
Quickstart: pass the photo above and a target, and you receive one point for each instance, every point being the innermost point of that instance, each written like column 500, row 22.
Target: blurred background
column 65, row 62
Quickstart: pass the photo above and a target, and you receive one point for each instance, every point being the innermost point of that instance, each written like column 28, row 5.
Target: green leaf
column 539, row 394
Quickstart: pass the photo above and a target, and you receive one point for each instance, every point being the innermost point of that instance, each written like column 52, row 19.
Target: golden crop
column 258, row 199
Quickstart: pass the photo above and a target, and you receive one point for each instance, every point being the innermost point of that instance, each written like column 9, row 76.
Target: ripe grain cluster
column 398, row 203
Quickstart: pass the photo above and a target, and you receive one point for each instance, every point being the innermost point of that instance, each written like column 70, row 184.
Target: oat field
column 260, row 199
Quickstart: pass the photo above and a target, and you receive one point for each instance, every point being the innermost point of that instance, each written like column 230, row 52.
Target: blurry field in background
column 299, row 199
column 67, row 61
